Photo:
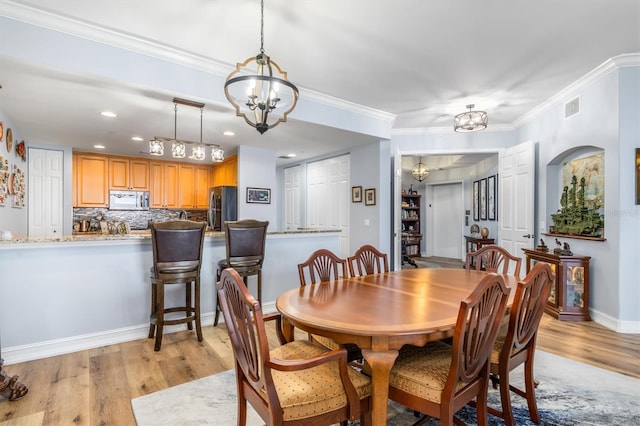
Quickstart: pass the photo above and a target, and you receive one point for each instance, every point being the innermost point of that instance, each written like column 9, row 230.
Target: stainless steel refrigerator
column 223, row 205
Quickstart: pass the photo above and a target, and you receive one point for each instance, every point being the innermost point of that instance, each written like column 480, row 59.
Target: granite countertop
column 136, row 235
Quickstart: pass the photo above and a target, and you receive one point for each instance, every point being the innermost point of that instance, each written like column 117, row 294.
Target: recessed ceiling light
column 229, row 133
column 99, row 146
column 137, row 138
column 109, row 114
column 292, row 155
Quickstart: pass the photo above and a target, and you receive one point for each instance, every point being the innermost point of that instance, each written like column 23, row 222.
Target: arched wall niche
column 554, row 175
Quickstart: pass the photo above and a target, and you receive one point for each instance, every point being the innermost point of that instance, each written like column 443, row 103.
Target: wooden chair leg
column 188, row 305
column 505, row 399
column 260, row 286
column 215, row 319
column 530, row 387
column 159, row 316
column 197, row 310
column 154, row 307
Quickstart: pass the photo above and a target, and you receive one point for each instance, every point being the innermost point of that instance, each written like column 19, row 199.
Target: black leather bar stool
column 177, row 259
column 245, row 241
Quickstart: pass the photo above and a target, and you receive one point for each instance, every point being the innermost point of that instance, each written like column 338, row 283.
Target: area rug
column 570, row 393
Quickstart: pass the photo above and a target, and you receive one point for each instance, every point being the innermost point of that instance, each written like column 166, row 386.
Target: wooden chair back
column 493, row 258
column 368, row 260
column 322, row 265
column 245, row 243
column 177, row 247
column 518, row 345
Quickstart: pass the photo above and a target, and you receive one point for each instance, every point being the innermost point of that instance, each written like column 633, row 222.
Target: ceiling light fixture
column 258, row 86
column 420, row 171
column 178, row 146
column 470, row 121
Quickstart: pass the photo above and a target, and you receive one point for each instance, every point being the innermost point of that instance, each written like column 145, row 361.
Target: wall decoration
column 4, row 179
column 1, row 131
column 492, row 200
column 9, row 140
column 259, row 195
column 592, row 170
column 483, row 199
column 476, row 200
column 356, row 194
column 21, row 150
column 637, row 175
column 17, row 187
column 370, row 197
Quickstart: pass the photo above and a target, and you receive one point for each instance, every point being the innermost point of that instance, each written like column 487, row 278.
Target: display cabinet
column 569, row 298
column 411, row 224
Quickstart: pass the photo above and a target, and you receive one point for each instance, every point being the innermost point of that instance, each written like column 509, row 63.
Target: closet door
column 45, row 193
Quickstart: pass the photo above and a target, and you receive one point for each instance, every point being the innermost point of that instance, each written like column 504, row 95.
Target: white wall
column 257, row 169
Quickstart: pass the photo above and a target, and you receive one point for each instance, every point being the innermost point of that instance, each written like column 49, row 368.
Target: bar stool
column 245, row 241
column 177, row 259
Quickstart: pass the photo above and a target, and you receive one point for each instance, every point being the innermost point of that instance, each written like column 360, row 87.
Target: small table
column 475, row 243
column 382, row 312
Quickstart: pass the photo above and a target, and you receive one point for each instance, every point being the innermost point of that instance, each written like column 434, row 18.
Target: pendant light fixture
column 420, row 171
column 259, row 90
column 470, row 121
column 179, row 146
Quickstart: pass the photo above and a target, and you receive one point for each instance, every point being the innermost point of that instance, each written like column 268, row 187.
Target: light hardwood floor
column 95, row 387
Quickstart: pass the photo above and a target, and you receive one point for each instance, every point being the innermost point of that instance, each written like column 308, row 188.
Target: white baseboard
column 624, row 327
column 16, row 354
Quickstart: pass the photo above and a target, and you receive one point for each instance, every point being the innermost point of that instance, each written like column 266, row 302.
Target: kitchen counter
column 84, row 291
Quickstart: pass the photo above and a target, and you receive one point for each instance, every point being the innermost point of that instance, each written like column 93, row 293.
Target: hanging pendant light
column 156, row 147
column 420, row 171
column 470, row 121
column 259, row 90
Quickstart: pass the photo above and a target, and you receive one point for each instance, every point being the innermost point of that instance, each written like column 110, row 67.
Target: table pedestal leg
column 10, row 387
column 380, row 363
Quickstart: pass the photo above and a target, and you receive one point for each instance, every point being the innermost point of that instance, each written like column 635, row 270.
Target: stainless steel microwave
column 128, row 200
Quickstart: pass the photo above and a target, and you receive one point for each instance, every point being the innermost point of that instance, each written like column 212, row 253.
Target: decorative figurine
column 542, row 246
column 566, row 250
column 558, row 249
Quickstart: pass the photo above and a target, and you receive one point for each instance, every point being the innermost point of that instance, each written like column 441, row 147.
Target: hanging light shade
column 470, row 121
column 217, row 154
column 420, row 171
column 259, row 90
column 198, row 152
column 178, row 150
column 156, row 147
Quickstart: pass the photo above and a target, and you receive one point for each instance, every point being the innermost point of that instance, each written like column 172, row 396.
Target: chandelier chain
column 261, row 26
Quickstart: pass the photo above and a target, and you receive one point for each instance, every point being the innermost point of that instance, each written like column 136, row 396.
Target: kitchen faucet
column 182, row 214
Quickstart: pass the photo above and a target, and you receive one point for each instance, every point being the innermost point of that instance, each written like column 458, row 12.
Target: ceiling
column 420, row 61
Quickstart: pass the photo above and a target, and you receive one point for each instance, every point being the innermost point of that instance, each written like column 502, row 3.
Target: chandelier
column 470, row 121
column 259, row 90
column 420, row 171
column 179, row 146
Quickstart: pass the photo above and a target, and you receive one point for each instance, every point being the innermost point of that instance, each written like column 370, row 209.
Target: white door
column 516, row 198
column 447, row 211
column 45, row 193
column 292, row 201
column 329, row 196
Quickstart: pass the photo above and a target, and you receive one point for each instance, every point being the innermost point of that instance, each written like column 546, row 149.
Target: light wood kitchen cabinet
column 202, row 184
column 226, row 173
column 186, row 188
column 91, row 181
column 163, row 189
column 128, row 174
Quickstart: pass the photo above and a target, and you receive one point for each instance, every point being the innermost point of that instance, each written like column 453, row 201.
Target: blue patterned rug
column 570, row 393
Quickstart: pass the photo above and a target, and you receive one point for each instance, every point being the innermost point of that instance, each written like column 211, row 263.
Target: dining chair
column 516, row 341
column 177, row 259
column 245, row 242
column 439, row 379
column 367, row 260
column 297, row 383
column 324, row 265
column 492, row 258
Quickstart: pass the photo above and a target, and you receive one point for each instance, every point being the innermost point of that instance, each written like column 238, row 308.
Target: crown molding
column 610, row 65
column 408, row 131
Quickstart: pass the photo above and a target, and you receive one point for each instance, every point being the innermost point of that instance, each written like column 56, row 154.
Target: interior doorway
column 445, row 217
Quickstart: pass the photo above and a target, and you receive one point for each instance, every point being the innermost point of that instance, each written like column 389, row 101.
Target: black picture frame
column 259, row 195
column 475, row 196
column 637, row 175
column 370, row 197
column 482, row 202
column 356, row 194
column 492, row 197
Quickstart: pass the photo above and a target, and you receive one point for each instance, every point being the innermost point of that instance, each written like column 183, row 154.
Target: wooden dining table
column 382, row 312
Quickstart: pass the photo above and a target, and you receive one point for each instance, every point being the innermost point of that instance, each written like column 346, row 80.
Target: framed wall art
column 259, row 195
column 483, row 199
column 492, row 197
column 637, row 175
column 370, row 197
column 356, row 194
column 476, row 199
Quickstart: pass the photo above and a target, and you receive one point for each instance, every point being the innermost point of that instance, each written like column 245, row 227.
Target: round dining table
column 382, row 312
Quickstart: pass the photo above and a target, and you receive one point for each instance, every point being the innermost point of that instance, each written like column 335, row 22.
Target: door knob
column 527, row 236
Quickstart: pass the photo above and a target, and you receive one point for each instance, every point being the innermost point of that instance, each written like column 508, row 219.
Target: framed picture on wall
column 492, row 200
column 476, row 200
column 637, row 175
column 259, row 195
column 370, row 197
column 483, row 199
column 356, row 194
